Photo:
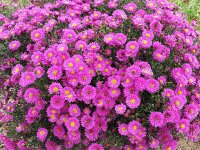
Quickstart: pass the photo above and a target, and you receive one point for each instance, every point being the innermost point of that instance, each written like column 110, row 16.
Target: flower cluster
column 85, row 70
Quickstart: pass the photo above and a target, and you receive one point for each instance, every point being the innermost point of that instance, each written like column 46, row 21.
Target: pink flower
column 72, row 124
column 57, row 102
column 42, row 134
column 157, row 119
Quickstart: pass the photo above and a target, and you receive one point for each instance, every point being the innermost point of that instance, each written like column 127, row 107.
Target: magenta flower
column 96, row 146
column 133, row 127
column 88, row 92
column 14, row 45
column 120, row 109
column 114, row 81
column 152, row 85
column 157, row 119
column 87, row 121
column 37, row 35
column 123, row 129
column 133, row 101
column 59, row 131
column 72, row 124
column 57, row 102
column 31, row 95
column 27, row 78
column 54, row 73
column 42, row 134
column 74, row 110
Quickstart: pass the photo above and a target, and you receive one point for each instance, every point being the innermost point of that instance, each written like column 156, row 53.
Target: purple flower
column 42, row 134
column 14, row 45
column 37, row 35
column 157, row 119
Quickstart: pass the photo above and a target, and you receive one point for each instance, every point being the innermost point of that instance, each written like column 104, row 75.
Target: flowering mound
column 82, row 74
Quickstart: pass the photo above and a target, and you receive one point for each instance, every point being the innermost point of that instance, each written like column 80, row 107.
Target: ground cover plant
column 82, row 74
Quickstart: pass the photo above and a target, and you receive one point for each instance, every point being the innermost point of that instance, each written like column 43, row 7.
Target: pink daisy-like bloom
column 17, row 69
column 74, row 110
column 69, row 64
column 157, row 119
column 27, row 78
column 40, row 104
column 133, row 101
column 144, row 42
column 128, row 147
column 170, row 145
column 69, row 35
column 68, row 94
column 133, row 127
column 123, row 129
column 169, row 116
column 39, row 72
column 33, row 112
column 177, row 102
column 88, row 92
column 59, row 131
column 191, row 111
column 120, row 39
column 14, row 45
column 37, row 35
column 92, row 134
column 132, row 48
column 62, row 48
column 130, row 7
column 42, row 134
column 133, row 71
column 148, row 34
column 95, row 146
column 72, row 124
column 31, row 95
column 74, row 136
column 68, row 144
column 114, row 92
column 167, row 93
column 112, row 4
column 93, row 47
column 109, row 39
column 154, row 143
column 120, row 108
column 114, row 81
column 54, row 73
column 81, row 45
column 84, row 78
column 152, row 85
column 183, row 125
column 55, row 88
column 57, row 102
column 87, row 122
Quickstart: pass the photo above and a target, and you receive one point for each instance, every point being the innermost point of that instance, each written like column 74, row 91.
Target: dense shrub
column 99, row 75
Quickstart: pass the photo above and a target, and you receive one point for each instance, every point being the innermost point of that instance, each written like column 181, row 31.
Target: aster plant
column 99, row 74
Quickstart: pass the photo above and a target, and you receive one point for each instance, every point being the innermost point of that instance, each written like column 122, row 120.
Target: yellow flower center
column 132, row 101
column 134, row 127
column 37, row 35
column 55, row 72
column 177, row 103
column 42, row 133
column 132, row 47
column 55, row 89
column 113, row 81
column 144, row 42
column 148, row 35
column 182, row 126
column 70, row 64
column 72, row 124
column 28, row 77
